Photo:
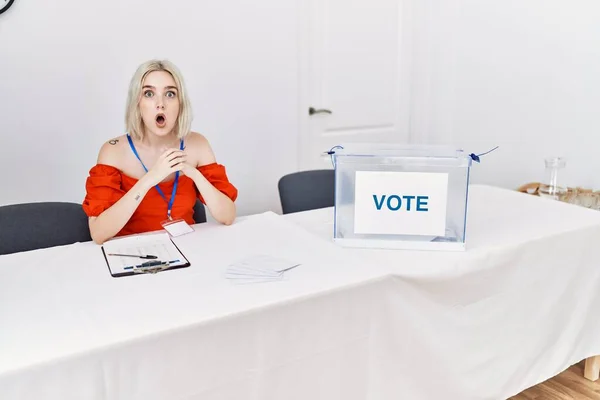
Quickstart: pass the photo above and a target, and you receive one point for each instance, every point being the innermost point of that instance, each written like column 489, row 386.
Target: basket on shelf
column 580, row 196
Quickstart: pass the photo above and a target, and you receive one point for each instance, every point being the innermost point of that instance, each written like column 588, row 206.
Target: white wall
column 65, row 68
column 524, row 75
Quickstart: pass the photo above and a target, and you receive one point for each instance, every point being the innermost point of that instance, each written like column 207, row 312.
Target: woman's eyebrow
column 152, row 87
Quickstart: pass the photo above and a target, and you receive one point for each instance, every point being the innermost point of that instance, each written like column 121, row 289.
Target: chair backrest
column 307, row 190
column 199, row 212
column 31, row 226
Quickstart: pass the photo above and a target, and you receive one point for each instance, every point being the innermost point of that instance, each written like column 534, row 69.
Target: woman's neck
column 155, row 142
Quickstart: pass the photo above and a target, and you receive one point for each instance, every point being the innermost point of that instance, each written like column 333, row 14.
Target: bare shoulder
column 111, row 152
column 198, row 146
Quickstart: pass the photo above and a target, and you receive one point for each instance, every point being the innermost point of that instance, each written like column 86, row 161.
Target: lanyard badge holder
column 175, row 227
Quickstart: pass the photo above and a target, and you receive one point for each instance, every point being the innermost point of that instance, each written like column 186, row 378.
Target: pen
column 146, row 257
column 151, row 264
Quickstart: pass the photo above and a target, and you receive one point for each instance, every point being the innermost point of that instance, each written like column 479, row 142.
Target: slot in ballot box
column 401, row 196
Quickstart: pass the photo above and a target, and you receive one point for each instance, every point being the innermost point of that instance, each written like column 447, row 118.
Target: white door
column 353, row 76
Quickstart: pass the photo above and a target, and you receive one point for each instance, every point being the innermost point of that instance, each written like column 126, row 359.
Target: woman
column 156, row 171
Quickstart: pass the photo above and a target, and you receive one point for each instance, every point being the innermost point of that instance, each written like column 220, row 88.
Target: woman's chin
column 160, row 131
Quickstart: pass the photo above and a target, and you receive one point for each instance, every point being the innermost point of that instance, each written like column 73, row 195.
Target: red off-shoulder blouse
column 105, row 185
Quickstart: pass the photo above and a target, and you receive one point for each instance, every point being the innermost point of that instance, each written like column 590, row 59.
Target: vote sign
column 400, row 203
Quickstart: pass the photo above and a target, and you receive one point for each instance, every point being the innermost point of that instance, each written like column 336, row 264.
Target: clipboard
column 142, row 254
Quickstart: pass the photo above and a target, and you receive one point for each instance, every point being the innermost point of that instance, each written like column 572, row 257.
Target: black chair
column 31, row 226
column 199, row 212
column 307, row 190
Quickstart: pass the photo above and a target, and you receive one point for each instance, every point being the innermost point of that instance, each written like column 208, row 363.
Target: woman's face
column 159, row 103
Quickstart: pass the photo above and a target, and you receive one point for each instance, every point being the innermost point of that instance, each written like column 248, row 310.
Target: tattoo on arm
column 114, row 141
column 137, row 197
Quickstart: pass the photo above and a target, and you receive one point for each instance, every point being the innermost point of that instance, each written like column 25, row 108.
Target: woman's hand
column 169, row 162
column 188, row 170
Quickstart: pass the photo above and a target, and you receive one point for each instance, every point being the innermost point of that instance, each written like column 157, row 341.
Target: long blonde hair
column 133, row 117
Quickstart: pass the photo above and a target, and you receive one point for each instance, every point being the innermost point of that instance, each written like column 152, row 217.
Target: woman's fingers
column 177, row 160
column 172, row 159
column 175, row 154
column 167, row 152
column 170, row 153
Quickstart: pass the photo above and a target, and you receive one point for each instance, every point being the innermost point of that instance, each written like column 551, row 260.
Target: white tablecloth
column 513, row 310
column 71, row 331
column 518, row 307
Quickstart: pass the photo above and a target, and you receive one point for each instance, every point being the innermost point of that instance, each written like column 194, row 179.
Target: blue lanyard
column 170, row 202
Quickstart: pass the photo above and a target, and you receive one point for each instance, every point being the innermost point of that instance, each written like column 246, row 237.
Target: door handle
column 313, row 110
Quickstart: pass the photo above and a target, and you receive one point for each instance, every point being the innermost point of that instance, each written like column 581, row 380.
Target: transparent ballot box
column 401, row 197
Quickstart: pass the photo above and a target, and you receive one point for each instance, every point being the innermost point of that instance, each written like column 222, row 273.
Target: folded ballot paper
column 259, row 268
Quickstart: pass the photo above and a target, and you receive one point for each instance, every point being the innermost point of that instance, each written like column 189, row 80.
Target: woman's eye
column 171, row 94
column 148, row 93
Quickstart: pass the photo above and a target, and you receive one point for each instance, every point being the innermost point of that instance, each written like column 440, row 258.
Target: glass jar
column 552, row 186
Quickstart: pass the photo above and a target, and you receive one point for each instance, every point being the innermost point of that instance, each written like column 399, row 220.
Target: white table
column 513, row 310
column 71, row 331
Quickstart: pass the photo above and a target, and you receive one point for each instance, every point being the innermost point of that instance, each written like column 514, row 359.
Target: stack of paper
column 258, row 268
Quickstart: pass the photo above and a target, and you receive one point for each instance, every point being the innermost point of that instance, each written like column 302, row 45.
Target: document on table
column 133, row 254
column 259, row 268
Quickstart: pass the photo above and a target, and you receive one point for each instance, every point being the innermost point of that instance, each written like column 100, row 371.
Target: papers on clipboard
column 148, row 253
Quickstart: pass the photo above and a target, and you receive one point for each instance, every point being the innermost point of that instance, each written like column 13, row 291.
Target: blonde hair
column 133, row 118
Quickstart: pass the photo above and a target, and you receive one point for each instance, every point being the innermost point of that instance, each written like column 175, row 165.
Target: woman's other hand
column 169, row 162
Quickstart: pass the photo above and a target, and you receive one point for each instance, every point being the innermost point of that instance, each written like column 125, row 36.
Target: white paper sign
column 400, row 203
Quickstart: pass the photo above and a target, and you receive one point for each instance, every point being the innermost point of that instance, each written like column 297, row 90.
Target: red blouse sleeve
column 103, row 189
column 216, row 175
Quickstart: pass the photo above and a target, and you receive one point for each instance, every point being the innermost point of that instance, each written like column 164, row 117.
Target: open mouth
column 161, row 120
